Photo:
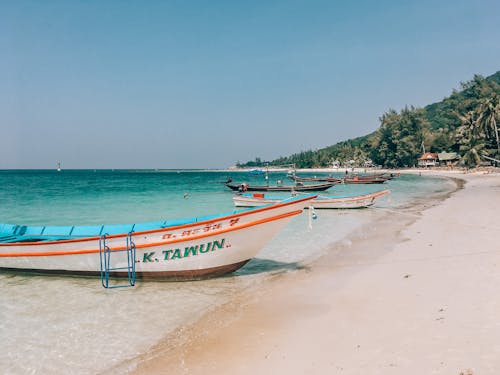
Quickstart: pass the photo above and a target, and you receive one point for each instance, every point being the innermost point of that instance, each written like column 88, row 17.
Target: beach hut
column 448, row 158
column 428, row 159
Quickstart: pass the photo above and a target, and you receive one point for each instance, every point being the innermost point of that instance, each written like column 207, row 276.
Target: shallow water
column 62, row 325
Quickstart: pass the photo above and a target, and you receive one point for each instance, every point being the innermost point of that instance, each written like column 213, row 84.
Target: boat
column 346, row 201
column 359, row 179
column 180, row 249
column 242, row 187
column 315, row 179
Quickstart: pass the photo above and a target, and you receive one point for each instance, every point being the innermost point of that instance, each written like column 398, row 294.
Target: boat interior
column 10, row 233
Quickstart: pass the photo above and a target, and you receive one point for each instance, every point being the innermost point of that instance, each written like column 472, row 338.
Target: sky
column 205, row 84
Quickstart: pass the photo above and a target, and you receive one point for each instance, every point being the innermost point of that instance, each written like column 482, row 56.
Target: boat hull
column 365, row 181
column 316, row 179
column 281, row 188
column 359, row 201
column 358, row 179
column 161, row 275
column 197, row 250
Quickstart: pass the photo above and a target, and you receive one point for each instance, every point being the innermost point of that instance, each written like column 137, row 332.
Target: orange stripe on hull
column 240, row 214
column 89, row 251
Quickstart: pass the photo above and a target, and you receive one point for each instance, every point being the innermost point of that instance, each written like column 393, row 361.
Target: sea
column 70, row 325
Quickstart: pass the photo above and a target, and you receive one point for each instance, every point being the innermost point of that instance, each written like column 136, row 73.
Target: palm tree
column 469, row 124
column 489, row 112
column 471, row 139
column 472, row 152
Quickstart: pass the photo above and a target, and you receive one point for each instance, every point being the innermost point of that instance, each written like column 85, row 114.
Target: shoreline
column 281, row 328
column 250, row 311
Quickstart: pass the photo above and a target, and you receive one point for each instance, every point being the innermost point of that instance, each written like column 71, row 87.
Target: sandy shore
column 417, row 293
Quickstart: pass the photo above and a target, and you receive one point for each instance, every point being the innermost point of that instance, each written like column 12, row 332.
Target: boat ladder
column 119, row 258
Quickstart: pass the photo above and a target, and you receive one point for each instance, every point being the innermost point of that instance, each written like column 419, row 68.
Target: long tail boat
column 335, row 202
column 315, row 179
column 360, row 179
column 242, row 187
column 180, row 249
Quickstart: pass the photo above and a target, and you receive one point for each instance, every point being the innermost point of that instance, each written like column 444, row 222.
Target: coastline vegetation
column 466, row 122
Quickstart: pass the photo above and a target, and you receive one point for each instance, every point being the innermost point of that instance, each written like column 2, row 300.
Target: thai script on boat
column 199, row 230
column 172, row 254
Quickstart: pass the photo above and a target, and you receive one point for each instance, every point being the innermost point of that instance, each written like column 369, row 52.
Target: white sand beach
column 417, row 293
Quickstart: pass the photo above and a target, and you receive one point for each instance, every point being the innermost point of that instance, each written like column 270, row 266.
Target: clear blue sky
column 204, row 84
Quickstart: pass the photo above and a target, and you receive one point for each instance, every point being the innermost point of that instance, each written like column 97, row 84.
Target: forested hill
column 466, row 122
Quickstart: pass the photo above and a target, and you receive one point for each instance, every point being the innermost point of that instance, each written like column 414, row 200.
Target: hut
column 428, row 159
column 448, row 158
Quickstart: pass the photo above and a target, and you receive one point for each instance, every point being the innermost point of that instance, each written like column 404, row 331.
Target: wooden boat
column 315, row 179
column 181, row 249
column 347, row 201
column 297, row 187
column 359, row 179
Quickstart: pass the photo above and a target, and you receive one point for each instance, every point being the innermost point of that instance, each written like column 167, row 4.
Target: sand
column 415, row 293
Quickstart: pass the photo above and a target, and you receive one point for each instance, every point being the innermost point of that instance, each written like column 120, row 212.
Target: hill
column 465, row 122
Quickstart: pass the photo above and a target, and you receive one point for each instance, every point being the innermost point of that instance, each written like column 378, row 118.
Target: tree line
column 466, row 122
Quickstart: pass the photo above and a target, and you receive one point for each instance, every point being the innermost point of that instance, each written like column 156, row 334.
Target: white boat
column 182, row 249
column 347, row 201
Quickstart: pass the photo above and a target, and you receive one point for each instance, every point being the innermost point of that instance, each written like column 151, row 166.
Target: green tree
column 399, row 139
column 443, row 140
column 489, row 112
column 471, row 139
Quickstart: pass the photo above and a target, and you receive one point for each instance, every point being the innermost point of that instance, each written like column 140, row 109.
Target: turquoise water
column 105, row 196
column 80, row 197
column 62, row 325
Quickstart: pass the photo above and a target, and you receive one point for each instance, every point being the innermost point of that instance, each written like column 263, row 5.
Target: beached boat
column 297, row 187
column 182, row 249
column 346, row 201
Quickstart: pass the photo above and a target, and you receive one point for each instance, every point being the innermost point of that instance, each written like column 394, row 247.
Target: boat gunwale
column 310, row 187
column 154, row 244
column 175, row 227
column 318, row 199
column 354, row 197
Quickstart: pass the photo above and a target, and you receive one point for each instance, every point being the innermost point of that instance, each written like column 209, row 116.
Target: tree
column 443, row 140
column 398, row 141
column 471, row 140
column 489, row 112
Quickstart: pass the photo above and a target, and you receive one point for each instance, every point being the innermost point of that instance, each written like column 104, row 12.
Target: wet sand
column 414, row 293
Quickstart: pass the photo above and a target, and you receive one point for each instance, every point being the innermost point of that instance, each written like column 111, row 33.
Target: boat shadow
column 258, row 265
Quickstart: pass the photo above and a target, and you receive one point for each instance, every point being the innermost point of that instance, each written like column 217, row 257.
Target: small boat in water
column 315, row 179
column 347, row 201
column 242, row 187
column 360, row 179
column 181, row 249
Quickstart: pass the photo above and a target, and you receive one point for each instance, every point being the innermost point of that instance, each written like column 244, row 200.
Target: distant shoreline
column 430, row 170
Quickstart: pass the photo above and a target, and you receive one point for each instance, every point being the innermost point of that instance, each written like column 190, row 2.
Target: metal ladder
column 105, row 262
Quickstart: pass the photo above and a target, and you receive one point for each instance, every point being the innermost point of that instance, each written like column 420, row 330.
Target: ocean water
column 65, row 325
